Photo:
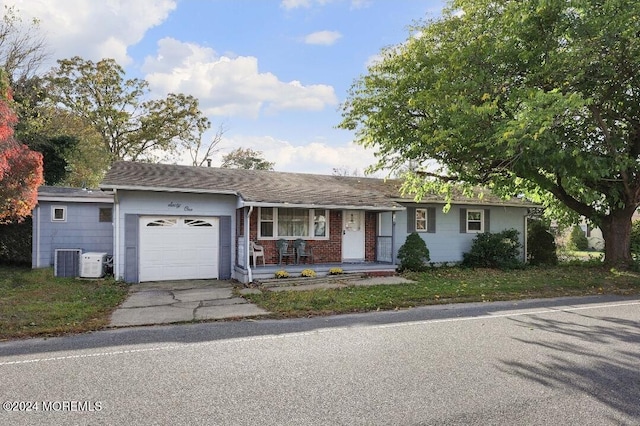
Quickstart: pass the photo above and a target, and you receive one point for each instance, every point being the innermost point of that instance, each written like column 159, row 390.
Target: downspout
column 526, row 240
column 37, row 237
column 116, row 236
column 246, row 244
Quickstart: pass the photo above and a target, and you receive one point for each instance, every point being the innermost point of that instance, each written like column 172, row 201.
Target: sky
column 273, row 73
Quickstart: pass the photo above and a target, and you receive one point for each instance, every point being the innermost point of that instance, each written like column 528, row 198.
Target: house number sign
column 178, row 205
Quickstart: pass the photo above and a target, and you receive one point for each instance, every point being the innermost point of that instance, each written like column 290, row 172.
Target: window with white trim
column 266, row 221
column 421, row 220
column 58, row 213
column 293, row 222
column 319, row 223
column 475, row 221
column 274, row 222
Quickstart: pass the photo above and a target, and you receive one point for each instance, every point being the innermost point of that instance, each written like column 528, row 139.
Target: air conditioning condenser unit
column 93, row 265
column 66, row 262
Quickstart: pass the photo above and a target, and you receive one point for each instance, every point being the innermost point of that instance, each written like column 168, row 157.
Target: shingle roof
column 261, row 187
column 67, row 192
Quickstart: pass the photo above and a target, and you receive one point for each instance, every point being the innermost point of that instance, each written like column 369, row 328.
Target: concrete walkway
column 165, row 302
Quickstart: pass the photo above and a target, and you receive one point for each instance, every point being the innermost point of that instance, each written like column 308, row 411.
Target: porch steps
column 266, row 273
column 328, row 282
column 296, row 281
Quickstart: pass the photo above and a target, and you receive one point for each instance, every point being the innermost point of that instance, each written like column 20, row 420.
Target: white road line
column 512, row 314
column 325, row 330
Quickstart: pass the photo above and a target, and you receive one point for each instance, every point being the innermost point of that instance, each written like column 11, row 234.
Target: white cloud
column 296, row 4
column 373, row 60
column 93, row 29
column 360, row 4
column 316, row 157
column 229, row 86
column 390, row 50
column 326, row 38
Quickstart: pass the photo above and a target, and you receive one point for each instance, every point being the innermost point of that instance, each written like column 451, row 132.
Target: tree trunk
column 616, row 231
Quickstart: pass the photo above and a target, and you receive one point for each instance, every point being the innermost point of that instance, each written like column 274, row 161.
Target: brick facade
column 324, row 251
column 370, row 232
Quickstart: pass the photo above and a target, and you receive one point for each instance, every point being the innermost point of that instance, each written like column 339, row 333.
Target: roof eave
column 72, row 199
column 470, row 203
column 168, row 189
column 386, row 207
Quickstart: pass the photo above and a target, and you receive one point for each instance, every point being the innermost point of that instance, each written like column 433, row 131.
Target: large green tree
column 246, row 158
column 540, row 97
column 132, row 126
column 23, row 48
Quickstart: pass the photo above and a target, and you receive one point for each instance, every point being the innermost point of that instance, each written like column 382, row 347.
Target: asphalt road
column 573, row 361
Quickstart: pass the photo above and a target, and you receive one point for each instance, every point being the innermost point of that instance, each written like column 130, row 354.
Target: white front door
column 178, row 248
column 353, row 235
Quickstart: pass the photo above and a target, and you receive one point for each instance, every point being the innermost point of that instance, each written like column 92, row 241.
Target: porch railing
column 384, row 249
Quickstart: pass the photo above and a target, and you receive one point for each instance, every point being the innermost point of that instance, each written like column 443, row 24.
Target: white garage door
column 178, row 248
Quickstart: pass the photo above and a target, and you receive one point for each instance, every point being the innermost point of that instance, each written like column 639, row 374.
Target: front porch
column 356, row 240
column 321, row 269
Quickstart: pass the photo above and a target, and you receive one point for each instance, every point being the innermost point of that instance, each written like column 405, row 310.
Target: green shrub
column 15, row 243
column 578, row 240
column 413, row 254
column 635, row 238
column 500, row 250
column 541, row 247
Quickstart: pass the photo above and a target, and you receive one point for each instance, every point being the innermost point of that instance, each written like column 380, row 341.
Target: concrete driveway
column 164, row 302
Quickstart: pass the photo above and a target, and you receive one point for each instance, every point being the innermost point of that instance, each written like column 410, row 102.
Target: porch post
column 393, row 237
column 247, row 243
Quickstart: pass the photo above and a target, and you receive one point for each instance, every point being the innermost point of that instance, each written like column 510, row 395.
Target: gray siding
column 447, row 243
column 147, row 203
column 82, row 230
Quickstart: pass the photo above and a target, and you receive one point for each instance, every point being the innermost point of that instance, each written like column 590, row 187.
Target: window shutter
column 411, row 219
column 487, row 217
column 463, row 221
column 431, row 220
column 131, row 225
column 224, row 237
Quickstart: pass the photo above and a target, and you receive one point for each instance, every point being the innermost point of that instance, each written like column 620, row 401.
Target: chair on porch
column 256, row 251
column 303, row 250
column 284, row 251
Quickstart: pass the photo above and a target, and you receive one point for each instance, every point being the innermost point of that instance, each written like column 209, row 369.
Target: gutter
column 467, row 203
column 168, row 189
column 75, row 199
column 37, row 236
column 324, row 206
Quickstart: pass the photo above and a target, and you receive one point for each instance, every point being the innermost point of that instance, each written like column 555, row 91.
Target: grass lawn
column 577, row 255
column 35, row 303
column 453, row 285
